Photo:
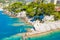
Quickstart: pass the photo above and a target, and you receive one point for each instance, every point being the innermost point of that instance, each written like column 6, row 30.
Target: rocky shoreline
column 39, row 27
column 25, row 19
column 44, row 29
column 9, row 13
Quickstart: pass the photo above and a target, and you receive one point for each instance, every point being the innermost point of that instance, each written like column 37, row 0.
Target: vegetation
column 2, row 1
column 56, row 15
column 40, row 8
column 14, row 7
column 33, row 9
column 47, row 9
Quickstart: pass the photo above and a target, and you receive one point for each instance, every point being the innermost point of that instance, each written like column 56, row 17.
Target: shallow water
column 51, row 36
column 8, row 26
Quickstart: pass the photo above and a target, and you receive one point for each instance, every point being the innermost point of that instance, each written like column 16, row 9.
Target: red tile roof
column 57, row 8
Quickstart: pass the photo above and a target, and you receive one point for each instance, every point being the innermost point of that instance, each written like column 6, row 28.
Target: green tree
column 50, row 8
column 47, row 8
column 56, row 15
column 15, row 7
column 32, row 9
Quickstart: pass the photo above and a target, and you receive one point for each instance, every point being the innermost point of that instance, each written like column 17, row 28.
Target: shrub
column 56, row 15
column 47, row 9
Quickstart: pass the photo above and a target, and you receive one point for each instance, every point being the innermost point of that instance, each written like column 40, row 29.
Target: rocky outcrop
column 44, row 27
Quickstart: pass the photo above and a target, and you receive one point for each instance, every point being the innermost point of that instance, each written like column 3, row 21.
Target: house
column 21, row 14
column 56, row 2
column 53, row 1
column 57, row 8
column 48, row 18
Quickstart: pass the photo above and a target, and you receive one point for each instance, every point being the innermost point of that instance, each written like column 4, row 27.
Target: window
column 58, row 2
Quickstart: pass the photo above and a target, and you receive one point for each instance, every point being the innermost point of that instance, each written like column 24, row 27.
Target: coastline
column 21, row 35
column 42, row 34
column 32, row 34
column 14, row 16
column 9, row 13
column 26, row 21
column 1, row 9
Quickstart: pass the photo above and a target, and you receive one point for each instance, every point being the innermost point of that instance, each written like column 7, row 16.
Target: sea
column 10, row 27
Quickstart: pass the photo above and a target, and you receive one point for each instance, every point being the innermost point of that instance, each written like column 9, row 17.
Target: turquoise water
column 9, row 27
column 51, row 36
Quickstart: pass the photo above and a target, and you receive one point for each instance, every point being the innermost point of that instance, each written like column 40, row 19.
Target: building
column 53, row 1
column 57, row 8
column 56, row 2
column 46, row 1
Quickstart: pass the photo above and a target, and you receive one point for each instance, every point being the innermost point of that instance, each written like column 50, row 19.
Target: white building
column 53, row 1
column 46, row 1
column 48, row 18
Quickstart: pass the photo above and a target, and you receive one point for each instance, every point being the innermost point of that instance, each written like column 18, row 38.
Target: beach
column 49, row 36
column 43, row 36
column 39, row 34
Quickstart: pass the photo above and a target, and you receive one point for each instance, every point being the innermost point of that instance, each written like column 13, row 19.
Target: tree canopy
column 33, row 8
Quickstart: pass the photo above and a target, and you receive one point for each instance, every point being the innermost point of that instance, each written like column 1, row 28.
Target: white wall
column 54, row 1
